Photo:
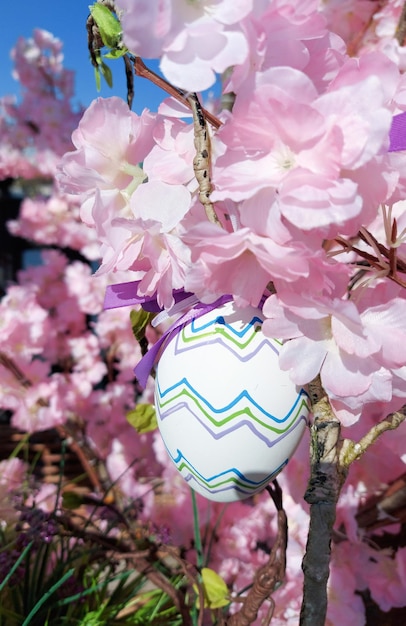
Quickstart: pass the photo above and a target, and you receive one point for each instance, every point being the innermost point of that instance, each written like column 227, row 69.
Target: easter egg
column 230, row 418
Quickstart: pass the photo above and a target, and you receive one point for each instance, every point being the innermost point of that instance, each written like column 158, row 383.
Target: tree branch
column 352, row 451
column 383, row 509
column 322, row 494
column 331, row 457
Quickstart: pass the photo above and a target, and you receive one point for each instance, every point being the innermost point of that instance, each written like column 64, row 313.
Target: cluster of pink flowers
column 35, row 129
column 301, row 160
column 53, row 220
column 178, row 32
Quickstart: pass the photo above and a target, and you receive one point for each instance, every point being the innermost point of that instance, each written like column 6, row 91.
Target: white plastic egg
column 230, row 418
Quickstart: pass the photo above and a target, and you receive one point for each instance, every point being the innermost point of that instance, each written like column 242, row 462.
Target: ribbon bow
column 125, row 294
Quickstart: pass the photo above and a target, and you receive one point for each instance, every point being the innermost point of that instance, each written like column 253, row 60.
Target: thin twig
column 15, row 370
column 352, row 451
column 144, row 72
column 386, row 259
column 129, row 75
column 202, row 160
column 83, row 458
column 357, row 39
column 157, row 578
column 386, row 508
column 192, row 575
column 143, row 561
column 269, row 576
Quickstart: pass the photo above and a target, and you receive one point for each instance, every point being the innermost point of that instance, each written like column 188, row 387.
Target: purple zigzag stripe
column 232, row 487
column 221, row 341
column 190, row 478
column 223, row 433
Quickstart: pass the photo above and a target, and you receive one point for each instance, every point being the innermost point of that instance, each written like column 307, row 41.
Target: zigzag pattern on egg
column 229, row 418
column 182, row 395
column 242, row 343
column 220, row 423
column 229, row 479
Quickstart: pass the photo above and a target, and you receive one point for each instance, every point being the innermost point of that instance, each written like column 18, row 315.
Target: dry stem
column 269, row 576
column 144, row 72
column 202, row 160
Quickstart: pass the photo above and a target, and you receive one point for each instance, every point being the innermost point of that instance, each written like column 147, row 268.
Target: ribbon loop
column 397, row 133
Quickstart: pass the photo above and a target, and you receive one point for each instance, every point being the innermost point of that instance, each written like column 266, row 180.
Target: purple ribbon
column 144, row 367
column 126, row 294
column 397, row 133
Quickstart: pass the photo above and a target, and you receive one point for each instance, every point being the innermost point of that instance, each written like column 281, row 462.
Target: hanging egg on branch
column 230, row 418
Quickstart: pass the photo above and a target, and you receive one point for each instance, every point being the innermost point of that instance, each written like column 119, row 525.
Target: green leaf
column 97, row 78
column 139, row 321
column 107, row 75
column 16, row 564
column 216, row 593
column 108, row 25
column 46, row 596
column 143, row 418
column 71, row 500
column 116, row 53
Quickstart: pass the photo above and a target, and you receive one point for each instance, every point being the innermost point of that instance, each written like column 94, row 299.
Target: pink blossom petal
column 303, row 358
column 161, row 202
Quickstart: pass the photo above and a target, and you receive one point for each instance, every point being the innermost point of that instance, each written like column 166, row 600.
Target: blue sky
column 67, row 21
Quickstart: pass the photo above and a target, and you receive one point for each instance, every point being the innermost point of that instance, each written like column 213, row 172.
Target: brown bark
column 322, row 494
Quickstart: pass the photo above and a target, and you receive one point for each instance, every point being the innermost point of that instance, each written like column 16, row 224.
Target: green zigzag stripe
column 223, row 483
column 238, row 479
column 232, row 480
column 229, row 418
column 222, row 329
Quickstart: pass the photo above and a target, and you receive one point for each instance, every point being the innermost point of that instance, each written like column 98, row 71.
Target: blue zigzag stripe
column 195, row 328
column 231, row 478
column 227, row 408
column 265, row 437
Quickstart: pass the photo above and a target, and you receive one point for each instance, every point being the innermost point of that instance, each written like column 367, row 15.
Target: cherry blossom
column 309, row 142
column 226, row 262
column 65, row 228
column 36, row 130
column 299, row 164
column 24, row 322
column 177, row 31
column 110, row 143
column 289, row 35
column 333, row 339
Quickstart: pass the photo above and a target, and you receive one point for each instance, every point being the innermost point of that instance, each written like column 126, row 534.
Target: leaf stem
column 197, row 535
